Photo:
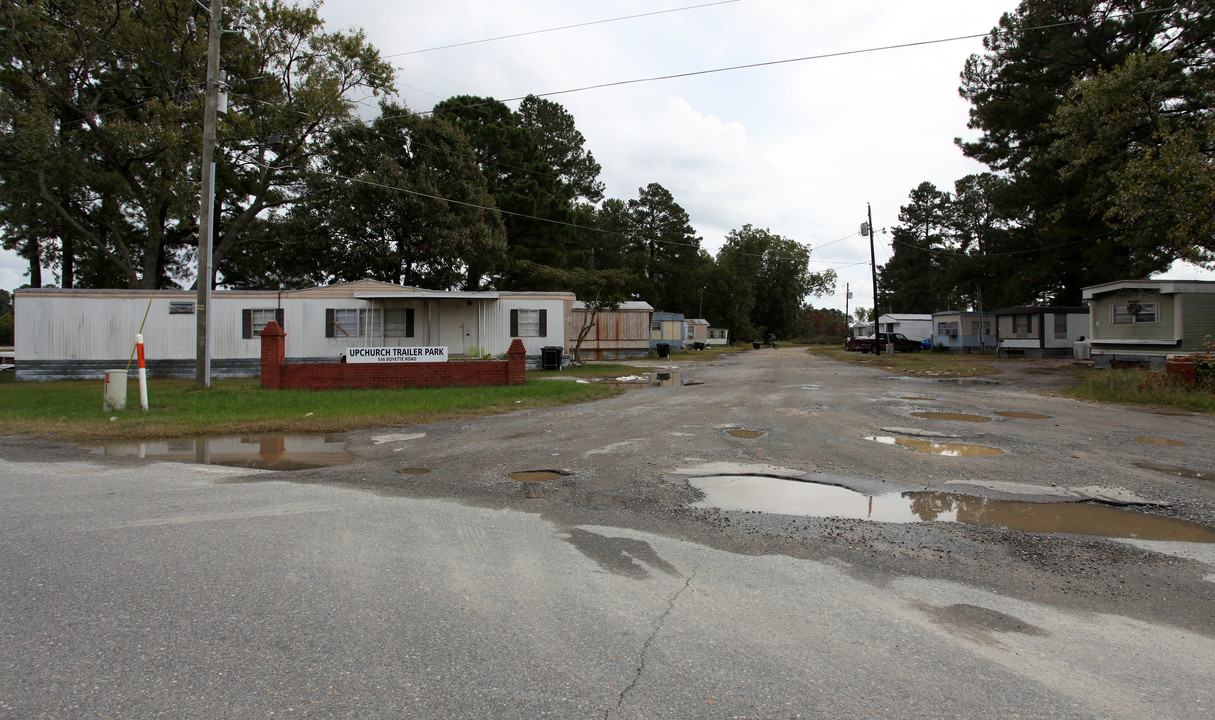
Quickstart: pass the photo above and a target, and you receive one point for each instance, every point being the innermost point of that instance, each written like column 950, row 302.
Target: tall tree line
column 100, row 109
column 1097, row 119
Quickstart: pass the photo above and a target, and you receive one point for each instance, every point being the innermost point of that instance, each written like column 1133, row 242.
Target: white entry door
column 458, row 326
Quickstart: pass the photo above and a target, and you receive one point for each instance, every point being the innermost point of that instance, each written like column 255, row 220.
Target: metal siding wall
column 1199, row 320
column 557, row 322
column 1162, row 329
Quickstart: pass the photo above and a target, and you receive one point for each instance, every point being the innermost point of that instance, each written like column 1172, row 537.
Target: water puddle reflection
column 790, row 497
column 960, row 417
column 266, row 452
column 1023, row 415
column 1178, row 471
column 946, row 449
column 747, row 434
column 1159, row 441
column 413, row 471
column 912, row 397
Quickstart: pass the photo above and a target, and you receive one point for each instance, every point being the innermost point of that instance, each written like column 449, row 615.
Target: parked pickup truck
column 902, row 343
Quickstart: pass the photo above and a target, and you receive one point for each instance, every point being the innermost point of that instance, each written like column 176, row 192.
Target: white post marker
column 143, row 373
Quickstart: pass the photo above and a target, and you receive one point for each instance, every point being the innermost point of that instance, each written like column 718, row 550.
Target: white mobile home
column 914, row 326
column 81, row 333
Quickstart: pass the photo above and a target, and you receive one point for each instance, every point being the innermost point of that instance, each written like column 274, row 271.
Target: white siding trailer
column 81, row 333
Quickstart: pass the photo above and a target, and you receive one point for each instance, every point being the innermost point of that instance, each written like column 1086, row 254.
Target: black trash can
column 664, row 350
column 550, row 358
column 756, row 344
column 700, row 346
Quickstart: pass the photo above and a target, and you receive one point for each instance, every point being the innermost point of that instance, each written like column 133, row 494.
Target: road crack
column 645, row 647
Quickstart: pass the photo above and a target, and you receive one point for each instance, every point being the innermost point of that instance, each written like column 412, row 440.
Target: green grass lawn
column 72, row 410
column 1127, row 387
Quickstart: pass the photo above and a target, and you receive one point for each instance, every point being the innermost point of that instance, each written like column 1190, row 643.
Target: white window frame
column 529, row 323
column 259, row 318
column 1147, row 313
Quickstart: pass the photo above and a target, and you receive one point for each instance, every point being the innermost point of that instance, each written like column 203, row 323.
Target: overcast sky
column 798, row 148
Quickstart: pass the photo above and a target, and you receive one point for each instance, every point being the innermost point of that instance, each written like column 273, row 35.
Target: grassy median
column 72, row 410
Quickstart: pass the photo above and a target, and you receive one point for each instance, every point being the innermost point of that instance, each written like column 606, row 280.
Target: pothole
column 929, row 447
column 537, row 476
column 912, row 397
column 747, row 434
column 1023, row 415
column 1178, row 471
column 960, row 417
column 1159, row 441
column 754, row 493
column 258, row 452
column 413, row 471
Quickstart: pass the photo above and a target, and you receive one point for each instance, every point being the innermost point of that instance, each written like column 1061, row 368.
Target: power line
column 823, row 56
column 563, row 27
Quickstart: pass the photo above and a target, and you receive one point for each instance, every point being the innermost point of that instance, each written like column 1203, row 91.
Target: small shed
column 615, row 335
column 1139, row 323
column 963, row 331
column 1040, row 331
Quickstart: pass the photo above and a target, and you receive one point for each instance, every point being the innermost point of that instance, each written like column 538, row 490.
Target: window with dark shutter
column 252, row 321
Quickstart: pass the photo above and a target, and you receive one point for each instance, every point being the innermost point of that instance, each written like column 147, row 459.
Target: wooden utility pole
column 873, row 271
column 202, row 366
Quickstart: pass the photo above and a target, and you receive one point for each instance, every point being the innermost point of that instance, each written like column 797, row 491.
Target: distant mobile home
column 82, row 333
column 667, row 328
column 914, row 326
column 1040, row 331
column 617, row 334
column 963, row 331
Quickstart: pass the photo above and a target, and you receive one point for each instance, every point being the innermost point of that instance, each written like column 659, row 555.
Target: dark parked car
column 902, row 343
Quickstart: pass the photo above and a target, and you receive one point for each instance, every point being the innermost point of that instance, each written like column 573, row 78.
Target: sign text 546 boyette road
column 396, row 354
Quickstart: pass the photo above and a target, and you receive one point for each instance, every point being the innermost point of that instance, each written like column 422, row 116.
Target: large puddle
column 959, row 417
column 791, row 497
column 266, row 452
column 930, row 447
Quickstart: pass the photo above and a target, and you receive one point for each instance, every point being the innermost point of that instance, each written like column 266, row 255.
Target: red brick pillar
column 274, row 352
column 1183, row 369
column 516, row 370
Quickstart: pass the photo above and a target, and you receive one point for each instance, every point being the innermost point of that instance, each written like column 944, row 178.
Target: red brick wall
column 278, row 375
